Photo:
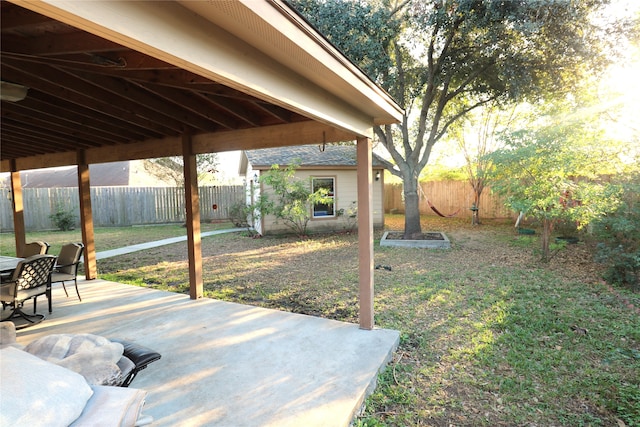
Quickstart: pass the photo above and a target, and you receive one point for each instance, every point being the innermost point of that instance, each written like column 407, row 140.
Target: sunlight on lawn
column 483, row 332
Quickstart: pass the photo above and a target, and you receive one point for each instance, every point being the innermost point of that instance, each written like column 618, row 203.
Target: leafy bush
column 553, row 174
column 619, row 236
column 245, row 215
column 350, row 217
column 238, row 214
column 292, row 198
column 64, row 220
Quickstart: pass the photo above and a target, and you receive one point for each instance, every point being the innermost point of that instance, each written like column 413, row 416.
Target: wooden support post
column 192, row 203
column 86, row 218
column 365, row 232
column 19, row 231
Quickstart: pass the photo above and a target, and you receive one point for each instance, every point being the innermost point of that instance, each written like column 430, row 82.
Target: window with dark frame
column 321, row 210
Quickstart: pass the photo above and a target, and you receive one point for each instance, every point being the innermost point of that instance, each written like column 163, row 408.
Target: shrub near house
column 323, row 183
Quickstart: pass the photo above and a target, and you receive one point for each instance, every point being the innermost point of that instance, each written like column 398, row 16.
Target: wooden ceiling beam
column 299, row 133
column 109, row 63
column 149, row 149
column 48, row 160
column 53, row 140
column 24, row 143
column 277, row 112
column 19, row 18
column 19, row 142
column 234, row 108
column 62, row 44
column 192, row 103
column 111, row 123
column 129, row 97
column 59, row 125
column 156, row 105
column 72, row 114
column 110, row 105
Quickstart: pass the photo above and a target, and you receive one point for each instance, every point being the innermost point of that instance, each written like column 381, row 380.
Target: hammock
column 433, row 208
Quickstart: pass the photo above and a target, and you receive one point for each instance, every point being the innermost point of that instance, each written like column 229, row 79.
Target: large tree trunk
column 411, row 207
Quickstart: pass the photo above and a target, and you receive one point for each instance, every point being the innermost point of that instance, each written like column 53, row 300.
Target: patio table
column 8, row 264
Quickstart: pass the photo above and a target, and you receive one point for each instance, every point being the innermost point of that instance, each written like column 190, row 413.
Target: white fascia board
column 169, row 32
column 297, row 30
column 273, row 27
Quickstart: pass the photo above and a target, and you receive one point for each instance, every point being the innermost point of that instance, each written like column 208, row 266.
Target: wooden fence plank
column 448, row 197
column 118, row 206
column 124, row 206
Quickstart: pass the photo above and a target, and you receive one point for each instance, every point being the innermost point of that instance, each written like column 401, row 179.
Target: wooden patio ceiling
column 85, row 92
column 120, row 80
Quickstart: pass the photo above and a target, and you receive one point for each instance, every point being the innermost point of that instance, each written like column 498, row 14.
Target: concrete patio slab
column 226, row 364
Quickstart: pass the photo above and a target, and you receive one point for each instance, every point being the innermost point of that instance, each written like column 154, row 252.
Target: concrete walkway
column 143, row 246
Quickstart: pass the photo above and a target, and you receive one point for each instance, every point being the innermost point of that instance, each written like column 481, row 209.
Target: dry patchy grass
column 489, row 336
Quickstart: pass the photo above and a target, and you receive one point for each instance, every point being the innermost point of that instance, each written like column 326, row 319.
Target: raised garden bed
column 429, row 240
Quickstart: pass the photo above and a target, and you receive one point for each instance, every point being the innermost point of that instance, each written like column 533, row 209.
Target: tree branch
column 386, row 138
column 390, row 167
column 462, row 113
column 468, row 80
column 399, row 7
column 430, row 93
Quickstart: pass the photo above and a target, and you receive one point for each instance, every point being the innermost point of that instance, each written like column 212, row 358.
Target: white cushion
column 92, row 356
column 112, row 407
column 35, row 393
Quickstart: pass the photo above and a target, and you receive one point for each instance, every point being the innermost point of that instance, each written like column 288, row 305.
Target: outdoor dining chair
column 31, row 278
column 35, row 248
column 66, row 268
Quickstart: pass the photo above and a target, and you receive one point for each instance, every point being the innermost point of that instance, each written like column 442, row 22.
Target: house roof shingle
column 307, row 156
column 135, row 173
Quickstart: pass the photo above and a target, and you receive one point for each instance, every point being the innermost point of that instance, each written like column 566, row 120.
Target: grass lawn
column 489, row 336
column 106, row 238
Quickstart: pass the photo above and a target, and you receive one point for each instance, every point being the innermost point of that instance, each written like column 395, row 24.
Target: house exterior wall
column 346, row 196
column 253, row 189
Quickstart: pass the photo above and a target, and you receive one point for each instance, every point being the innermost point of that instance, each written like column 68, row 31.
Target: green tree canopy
column 288, row 198
column 173, row 168
column 441, row 59
column 555, row 171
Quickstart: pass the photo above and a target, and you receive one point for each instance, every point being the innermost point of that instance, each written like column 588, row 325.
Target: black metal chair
column 31, row 278
column 67, row 267
column 35, row 248
column 139, row 355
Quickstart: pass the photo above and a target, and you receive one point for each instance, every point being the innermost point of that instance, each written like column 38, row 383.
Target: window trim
column 313, row 208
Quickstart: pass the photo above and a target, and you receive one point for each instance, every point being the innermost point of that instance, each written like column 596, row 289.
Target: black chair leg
column 77, row 291
column 31, row 319
column 65, row 289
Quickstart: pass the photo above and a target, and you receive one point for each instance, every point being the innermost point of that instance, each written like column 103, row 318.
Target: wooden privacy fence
column 120, row 206
column 448, row 197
